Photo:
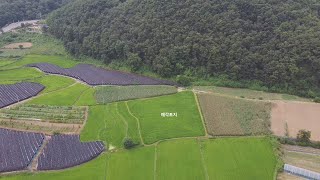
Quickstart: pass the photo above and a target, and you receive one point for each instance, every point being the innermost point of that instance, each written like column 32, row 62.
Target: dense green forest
column 17, row 10
column 275, row 44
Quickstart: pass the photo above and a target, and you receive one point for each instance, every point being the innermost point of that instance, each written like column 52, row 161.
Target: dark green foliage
column 274, row 43
column 184, row 80
column 18, row 10
column 128, row 143
column 291, row 141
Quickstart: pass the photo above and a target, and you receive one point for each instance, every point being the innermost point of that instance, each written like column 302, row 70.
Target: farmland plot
column 54, row 114
column 53, row 83
column 109, row 94
column 111, row 123
column 249, row 94
column 239, row 158
column 179, row 159
column 87, row 98
column 29, row 59
column 157, row 123
column 19, row 74
column 134, row 164
column 232, row 116
column 62, row 97
column 290, row 117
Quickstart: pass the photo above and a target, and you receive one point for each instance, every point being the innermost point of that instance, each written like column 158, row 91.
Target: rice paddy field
column 189, row 159
column 64, row 97
column 157, row 126
column 234, row 116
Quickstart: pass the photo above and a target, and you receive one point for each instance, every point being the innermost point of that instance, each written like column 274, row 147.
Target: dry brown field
column 295, row 116
column 234, row 116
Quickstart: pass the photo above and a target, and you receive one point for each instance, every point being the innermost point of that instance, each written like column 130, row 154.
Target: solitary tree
column 304, row 136
column 20, row 46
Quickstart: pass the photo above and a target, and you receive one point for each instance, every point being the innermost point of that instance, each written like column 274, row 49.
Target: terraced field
column 166, row 127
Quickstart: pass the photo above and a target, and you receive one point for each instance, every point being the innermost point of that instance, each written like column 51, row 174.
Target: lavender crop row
column 98, row 76
column 13, row 93
column 17, row 149
column 65, row 151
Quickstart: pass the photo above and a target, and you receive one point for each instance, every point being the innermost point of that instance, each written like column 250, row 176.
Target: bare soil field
column 25, row 45
column 295, row 116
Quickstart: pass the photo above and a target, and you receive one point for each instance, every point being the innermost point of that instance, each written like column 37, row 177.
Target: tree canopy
column 275, row 43
column 17, row 10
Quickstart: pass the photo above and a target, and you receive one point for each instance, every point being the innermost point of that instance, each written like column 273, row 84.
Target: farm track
column 201, row 115
column 34, row 163
column 255, row 100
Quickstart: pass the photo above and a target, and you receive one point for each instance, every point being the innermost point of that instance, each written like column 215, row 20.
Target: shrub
column 304, row 136
column 128, row 143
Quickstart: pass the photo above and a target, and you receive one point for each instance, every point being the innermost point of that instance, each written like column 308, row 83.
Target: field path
column 202, row 160
column 201, row 115
column 139, row 129
column 155, row 161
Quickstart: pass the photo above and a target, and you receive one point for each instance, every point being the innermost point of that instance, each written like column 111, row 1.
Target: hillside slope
column 274, row 43
column 18, row 10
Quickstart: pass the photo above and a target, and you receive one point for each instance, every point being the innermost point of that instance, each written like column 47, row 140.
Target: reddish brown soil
column 297, row 116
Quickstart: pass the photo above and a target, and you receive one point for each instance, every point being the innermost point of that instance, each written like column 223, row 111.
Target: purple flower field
column 13, row 93
column 98, row 76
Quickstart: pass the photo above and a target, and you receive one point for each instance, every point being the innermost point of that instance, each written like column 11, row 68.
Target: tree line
column 18, row 10
column 274, row 44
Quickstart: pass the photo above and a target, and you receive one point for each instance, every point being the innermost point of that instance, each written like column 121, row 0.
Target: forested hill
column 273, row 42
column 17, row 10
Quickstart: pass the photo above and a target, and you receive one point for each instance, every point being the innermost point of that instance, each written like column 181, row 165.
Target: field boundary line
column 80, row 96
column 123, row 119
column 201, row 116
column 155, row 161
column 86, row 115
column 202, row 160
column 139, row 129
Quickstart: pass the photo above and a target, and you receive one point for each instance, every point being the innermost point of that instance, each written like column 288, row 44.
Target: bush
column 128, row 143
column 304, row 136
column 316, row 100
column 184, row 80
